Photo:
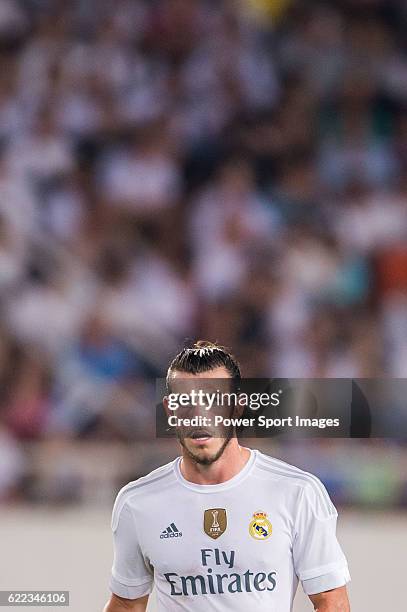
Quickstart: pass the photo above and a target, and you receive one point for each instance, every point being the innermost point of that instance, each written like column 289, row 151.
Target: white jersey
column 239, row 545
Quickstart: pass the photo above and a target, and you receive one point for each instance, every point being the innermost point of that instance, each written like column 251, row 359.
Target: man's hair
column 204, row 356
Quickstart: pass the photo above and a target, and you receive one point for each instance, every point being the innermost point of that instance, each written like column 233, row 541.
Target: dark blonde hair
column 204, row 356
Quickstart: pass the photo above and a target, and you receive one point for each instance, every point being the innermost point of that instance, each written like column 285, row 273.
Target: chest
column 220, row 533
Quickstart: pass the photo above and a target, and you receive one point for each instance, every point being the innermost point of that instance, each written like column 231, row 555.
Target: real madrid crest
column 260, row 527
column 215, row 522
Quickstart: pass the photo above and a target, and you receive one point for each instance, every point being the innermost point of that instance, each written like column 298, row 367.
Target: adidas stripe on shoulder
column 318, row 495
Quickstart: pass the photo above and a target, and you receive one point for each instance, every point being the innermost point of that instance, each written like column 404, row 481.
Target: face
column 203, row 443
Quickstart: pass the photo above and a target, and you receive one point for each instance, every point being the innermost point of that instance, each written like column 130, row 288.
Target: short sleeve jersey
column 240, row 545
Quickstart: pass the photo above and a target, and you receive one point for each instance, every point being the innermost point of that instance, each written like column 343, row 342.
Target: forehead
column 213, row 380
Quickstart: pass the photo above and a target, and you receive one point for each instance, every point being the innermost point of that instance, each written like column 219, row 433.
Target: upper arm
column 131, row 577
column 120, row 604
column 318, row 558
column 335, row 600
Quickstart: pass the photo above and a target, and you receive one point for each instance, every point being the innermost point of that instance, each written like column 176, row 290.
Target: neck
column 231, row 462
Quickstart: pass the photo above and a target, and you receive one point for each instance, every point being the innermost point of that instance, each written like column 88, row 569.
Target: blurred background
column 182, row 169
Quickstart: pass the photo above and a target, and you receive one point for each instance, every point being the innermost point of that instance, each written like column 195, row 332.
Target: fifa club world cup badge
column 215, row 522
column 260, row 527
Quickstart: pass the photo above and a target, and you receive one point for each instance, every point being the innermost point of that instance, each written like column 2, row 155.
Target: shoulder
column 141, row 487
column 309, row 487
column 290, row 473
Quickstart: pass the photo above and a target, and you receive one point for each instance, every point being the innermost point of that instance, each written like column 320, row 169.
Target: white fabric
column 192, row 571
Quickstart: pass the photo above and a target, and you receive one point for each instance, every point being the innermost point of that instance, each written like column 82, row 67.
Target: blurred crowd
column 182, row 169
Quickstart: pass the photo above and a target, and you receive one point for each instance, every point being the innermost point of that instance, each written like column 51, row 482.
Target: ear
column 165, row 404
column 238, row 408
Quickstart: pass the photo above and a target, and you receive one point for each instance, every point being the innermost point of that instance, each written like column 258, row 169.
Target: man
column 224, row 527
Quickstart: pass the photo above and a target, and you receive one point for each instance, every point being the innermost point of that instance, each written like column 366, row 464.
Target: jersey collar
column 223, row 486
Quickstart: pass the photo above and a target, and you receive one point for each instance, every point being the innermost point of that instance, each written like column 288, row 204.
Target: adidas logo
column 171, row 532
